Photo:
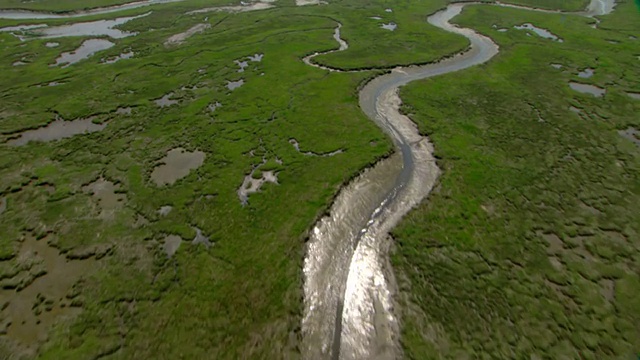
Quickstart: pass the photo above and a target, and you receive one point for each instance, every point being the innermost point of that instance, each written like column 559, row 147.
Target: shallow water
column 171, row 244
column 91, row 28
column 390, row 26
column 26, row 14
column 115, row 59
column 200, row 238
column 586, row 73
column 56, row 130
column 255, row 57
column 86, row 49
column 177, row 164
column 104, row 192
column 242, row 65
column 214, row 106
column 36, row 307
column 251, row 185
column 538, row 31
column 165, row 101
column 232, row 85
column 348, row 282
column 631, row 134
column 588, row 89
column 165, row 210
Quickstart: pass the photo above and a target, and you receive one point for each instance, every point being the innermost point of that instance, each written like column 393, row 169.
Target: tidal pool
column 232, row 85
column 242, row 65
column 165, row 210
column 588, row 89
column 86, row 49
column 255, row 57
column 52, row 44
column 252, row 185
column 165, row 101
column 586, row 73
column 58, row 129
column 200, row 238
column 538, row 31
column 214, row 106
column 125, row 55
column 175, row 165
column 556, row 66
column 634, row 95
column 171, row 244
column 390, row 26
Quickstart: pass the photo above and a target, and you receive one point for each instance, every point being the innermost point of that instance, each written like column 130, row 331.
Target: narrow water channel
column 348, row 280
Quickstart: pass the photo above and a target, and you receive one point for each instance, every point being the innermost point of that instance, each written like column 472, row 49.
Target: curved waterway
column 348, row 307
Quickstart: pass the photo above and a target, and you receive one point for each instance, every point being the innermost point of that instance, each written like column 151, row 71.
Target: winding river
column 348, row 308
column 349, row 283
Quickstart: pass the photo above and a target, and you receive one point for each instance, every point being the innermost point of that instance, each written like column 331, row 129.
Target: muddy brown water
column 31, row 311
column 348, row 283
column 177, row 164
column 105, row 195
column 56, row 130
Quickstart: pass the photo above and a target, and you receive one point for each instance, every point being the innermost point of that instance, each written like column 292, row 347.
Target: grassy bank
column 529, row 246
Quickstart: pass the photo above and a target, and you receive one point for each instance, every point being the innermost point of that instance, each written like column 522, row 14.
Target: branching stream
column 348, row 280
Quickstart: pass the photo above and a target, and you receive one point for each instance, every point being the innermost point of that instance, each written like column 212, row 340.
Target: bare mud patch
column 41, row 292
column 183, row 36
column 176, row 165
column 86, row 49
column 58, row 129
column 588, row 89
